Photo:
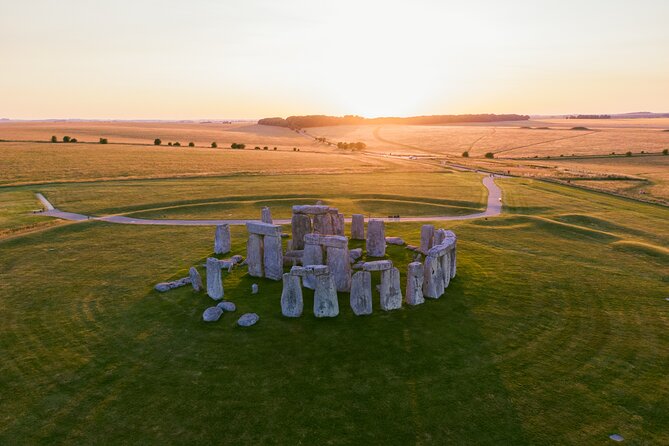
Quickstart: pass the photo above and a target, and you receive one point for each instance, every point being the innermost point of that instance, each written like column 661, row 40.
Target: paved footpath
column 493, row 208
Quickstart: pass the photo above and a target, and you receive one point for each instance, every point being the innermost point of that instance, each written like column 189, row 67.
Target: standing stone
column 340, row 267
column 338, row 223
column 358, row 227
column 313, row 255
column 273, row 257
column 433, row 283
column 323, row 224
column 439, row 236
column 214, row 279
column 391, row 293
column 426, row 238
column 454, row 253
column 195, row 279
column 415, row 277
column 325, row 296
column 446, row 268
column 301, row 225
column 266, row 215
column 376, row 238
column 222, row 239
column 361, row 293
column 291, row 296
column 254, row 255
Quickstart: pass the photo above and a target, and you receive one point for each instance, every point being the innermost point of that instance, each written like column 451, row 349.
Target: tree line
column 299, row 122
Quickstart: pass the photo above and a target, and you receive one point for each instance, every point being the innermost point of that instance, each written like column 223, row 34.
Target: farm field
column 554, row 331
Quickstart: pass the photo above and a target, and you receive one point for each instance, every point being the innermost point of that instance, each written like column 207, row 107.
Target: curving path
column 493, row 208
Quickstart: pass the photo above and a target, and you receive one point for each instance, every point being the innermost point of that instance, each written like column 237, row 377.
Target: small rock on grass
column 227, row 306
column 212, row 314
column 254, row 288
column 248, row 319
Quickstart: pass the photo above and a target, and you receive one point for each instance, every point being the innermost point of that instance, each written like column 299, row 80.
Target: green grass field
column 555, row 330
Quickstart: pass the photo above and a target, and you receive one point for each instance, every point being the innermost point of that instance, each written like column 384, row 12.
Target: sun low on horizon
column 254, row 59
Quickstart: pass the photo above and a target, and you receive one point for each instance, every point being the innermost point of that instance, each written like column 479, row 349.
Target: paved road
column 493, row 208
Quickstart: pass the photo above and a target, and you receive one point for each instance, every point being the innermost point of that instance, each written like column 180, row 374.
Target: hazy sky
column 255, row 58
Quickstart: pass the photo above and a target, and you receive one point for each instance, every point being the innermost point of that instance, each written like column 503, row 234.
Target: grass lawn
column 555, row 331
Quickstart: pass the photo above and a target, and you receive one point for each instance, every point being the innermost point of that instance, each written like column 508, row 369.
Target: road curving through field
column 493, row 208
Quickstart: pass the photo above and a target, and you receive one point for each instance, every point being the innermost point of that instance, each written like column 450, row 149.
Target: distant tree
column 665, row 152
column 66, row 139
column 191, row 144
column 628, row 154
column 178, row 144
column 103, row 141
column 274, row 148
column 256, row 148
column 169, row 143
column 157, row 142
column 73, row 140
column 265, row 148
column 214, row 145
column 643, row 151
column 465, row 154
column 489, row 155
column 294, row 149
column 54, row 139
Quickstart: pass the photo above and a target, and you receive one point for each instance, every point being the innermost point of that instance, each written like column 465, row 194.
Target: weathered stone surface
column 212, row 314
column 433, row 283
column 338, row 223
column 359, row 265
column 300, row 226
column 415, row 277
column 323, row 224
column 439, row 236
column 266, row 215
column 214, row 279
column 376, row 238
column 446, row 268
column 254, row 255
column 310, row 209
column 273, row 257
column 454, row 253
column 439, row 250
column 361, row 293
column 426, row 238
column 334, row 241
column 291, row 296
column 237, row 259
column 195, row 278
column 248, row 319
column 355, row 254
column 222, row 239
column 313, row 255
column 260, row 228
column 340, row 267
column 254, row 288
column 227, row 306
column 304, row 271
column 357, row 227
column 378, row 265
column 325, row 297
column 413, row 248
column 391, row 293
column 395, row 241
column 163, row 286
column 166, row 286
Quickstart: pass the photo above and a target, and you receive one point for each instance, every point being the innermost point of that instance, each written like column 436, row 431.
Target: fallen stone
column 395, row 241
column 361, row 293
column 222, row 239
column 195, row 279
column 291, row 296
column 166, row 286
column 413, row 248
column 254, row 288
column 237, row 258
column 359, row 265
column 227, row 306
column 248, row 319
column 212, row 314
column 162, row 287
column 378, row 265
column 355, row 254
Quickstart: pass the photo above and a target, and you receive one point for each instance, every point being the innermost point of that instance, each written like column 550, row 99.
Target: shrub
column 157, row 142
column 73, row 140
column 256, row 148
column 178, row 144
column 665, row 152
column 66, row 139
column 643, row 151
column 265, row 148
column 294, row 149
column 54, row 139
column 191, row 144
column 465, row 154
column 274, row 148
column 628, row 154
column 103, row 141
column 169, row 143
column 214, row 145
column 489, row 155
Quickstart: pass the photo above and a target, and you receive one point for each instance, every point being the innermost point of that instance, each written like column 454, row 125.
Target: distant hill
column 633, row 115
column 299, row 122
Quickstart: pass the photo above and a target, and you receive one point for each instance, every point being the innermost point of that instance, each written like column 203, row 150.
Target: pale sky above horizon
column 212, row 59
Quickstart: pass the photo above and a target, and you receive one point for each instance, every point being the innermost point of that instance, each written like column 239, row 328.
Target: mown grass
column 550, row 334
